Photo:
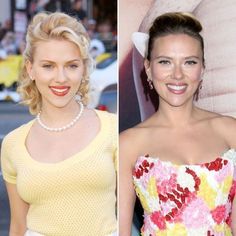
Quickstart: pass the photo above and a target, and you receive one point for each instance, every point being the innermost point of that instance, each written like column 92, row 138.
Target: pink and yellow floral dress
column 186, row 200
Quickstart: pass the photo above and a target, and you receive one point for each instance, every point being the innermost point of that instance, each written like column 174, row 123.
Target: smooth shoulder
column 226, row 126
column 226, row 123
column 132, row 134
column 131, row 140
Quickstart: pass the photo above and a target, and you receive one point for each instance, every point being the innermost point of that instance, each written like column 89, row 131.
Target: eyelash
column 164, row 62
column 191, row 62
column 73, row 66
column 47, row 66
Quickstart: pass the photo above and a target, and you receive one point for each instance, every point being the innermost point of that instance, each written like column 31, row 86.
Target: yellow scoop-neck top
column 72, row 197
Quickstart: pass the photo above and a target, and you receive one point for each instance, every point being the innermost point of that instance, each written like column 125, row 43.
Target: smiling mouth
column 177, row 89
column 59, row 90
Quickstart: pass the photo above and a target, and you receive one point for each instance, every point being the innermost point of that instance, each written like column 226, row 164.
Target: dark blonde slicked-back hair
column 48, row 26
column 175, row 23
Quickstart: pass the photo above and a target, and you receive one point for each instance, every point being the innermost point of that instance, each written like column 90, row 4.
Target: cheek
column 76, row 84
column 76, row 79
column 41, row 86
column 75, row 75
column 43, row 75
column 159, row 74
column 195, row 75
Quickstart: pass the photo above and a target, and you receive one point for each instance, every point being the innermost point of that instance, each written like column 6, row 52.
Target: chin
column 59, row 102
column 60, row 105
column 177, row 102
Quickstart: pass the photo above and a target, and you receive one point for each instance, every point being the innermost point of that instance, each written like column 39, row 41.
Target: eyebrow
column 170, row 58
column 73, row 60
column 191, row 57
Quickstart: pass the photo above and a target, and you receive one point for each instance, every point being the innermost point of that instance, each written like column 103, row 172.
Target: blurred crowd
column 101, row 31
column 8, row 45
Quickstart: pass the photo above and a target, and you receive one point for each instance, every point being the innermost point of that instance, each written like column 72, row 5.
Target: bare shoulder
column 137, row 136
column 217, row 119
column 130, row 136
column 131, row 142
column 224, row 123
column 226, row 127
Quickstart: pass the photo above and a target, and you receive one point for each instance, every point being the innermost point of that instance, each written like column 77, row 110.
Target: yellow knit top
column 74, row 197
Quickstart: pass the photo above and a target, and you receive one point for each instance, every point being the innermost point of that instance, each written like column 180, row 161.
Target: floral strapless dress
column 186, row 200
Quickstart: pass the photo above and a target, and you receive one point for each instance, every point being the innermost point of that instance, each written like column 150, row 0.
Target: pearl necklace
column 63, row 127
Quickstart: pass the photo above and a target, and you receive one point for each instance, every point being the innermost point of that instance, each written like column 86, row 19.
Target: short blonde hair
column 47, row 26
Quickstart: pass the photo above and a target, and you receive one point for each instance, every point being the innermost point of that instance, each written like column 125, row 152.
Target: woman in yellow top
column 59, row 168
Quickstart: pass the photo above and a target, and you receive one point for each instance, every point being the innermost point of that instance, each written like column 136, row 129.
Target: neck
column 177, row 116
column 58, row 116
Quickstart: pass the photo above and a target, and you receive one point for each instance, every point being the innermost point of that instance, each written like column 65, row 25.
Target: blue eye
column 164, row 62
column 47, row 66
column 191, row 62
column 73, row 66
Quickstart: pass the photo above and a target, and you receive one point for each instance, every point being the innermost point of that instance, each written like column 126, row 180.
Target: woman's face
column 57, row 69
column 175, row 68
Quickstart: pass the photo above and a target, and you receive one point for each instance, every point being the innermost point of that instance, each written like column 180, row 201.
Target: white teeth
column 176, row 87
column 59, row 90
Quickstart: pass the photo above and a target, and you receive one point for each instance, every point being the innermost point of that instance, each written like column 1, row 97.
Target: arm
column 226, row 126
column 18, row 209
column 127, row 195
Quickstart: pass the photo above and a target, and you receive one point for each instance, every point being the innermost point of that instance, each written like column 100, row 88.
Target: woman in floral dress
column 183, row 164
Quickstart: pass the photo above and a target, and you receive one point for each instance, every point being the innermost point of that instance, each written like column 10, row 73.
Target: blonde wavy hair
column 44, row 27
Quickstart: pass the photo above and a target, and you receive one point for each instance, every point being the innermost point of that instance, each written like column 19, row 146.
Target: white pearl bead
column 63, row 127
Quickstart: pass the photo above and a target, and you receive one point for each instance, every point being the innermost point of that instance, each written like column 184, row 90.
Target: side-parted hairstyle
column 175, row 23
column 48, row 26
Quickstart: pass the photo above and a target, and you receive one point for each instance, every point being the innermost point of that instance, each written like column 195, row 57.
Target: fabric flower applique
column 195, row 214
column 218, row 214
column 186, row 200
column 216, row 165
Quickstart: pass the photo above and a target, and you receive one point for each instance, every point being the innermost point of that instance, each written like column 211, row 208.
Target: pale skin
column 48, row 69
column 178, row 128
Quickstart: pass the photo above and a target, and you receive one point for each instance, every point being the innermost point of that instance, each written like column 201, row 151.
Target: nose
column 61, row 76
column 178, row 72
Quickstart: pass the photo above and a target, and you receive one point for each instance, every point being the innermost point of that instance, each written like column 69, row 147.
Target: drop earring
column 198, row 91
column 149, row 80
column 78, row 96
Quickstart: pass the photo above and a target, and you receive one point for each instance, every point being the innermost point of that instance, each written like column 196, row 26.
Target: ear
column 147, row 68
column 28, row 65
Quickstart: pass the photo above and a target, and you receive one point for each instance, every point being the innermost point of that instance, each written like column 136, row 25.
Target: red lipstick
column 59, row 90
